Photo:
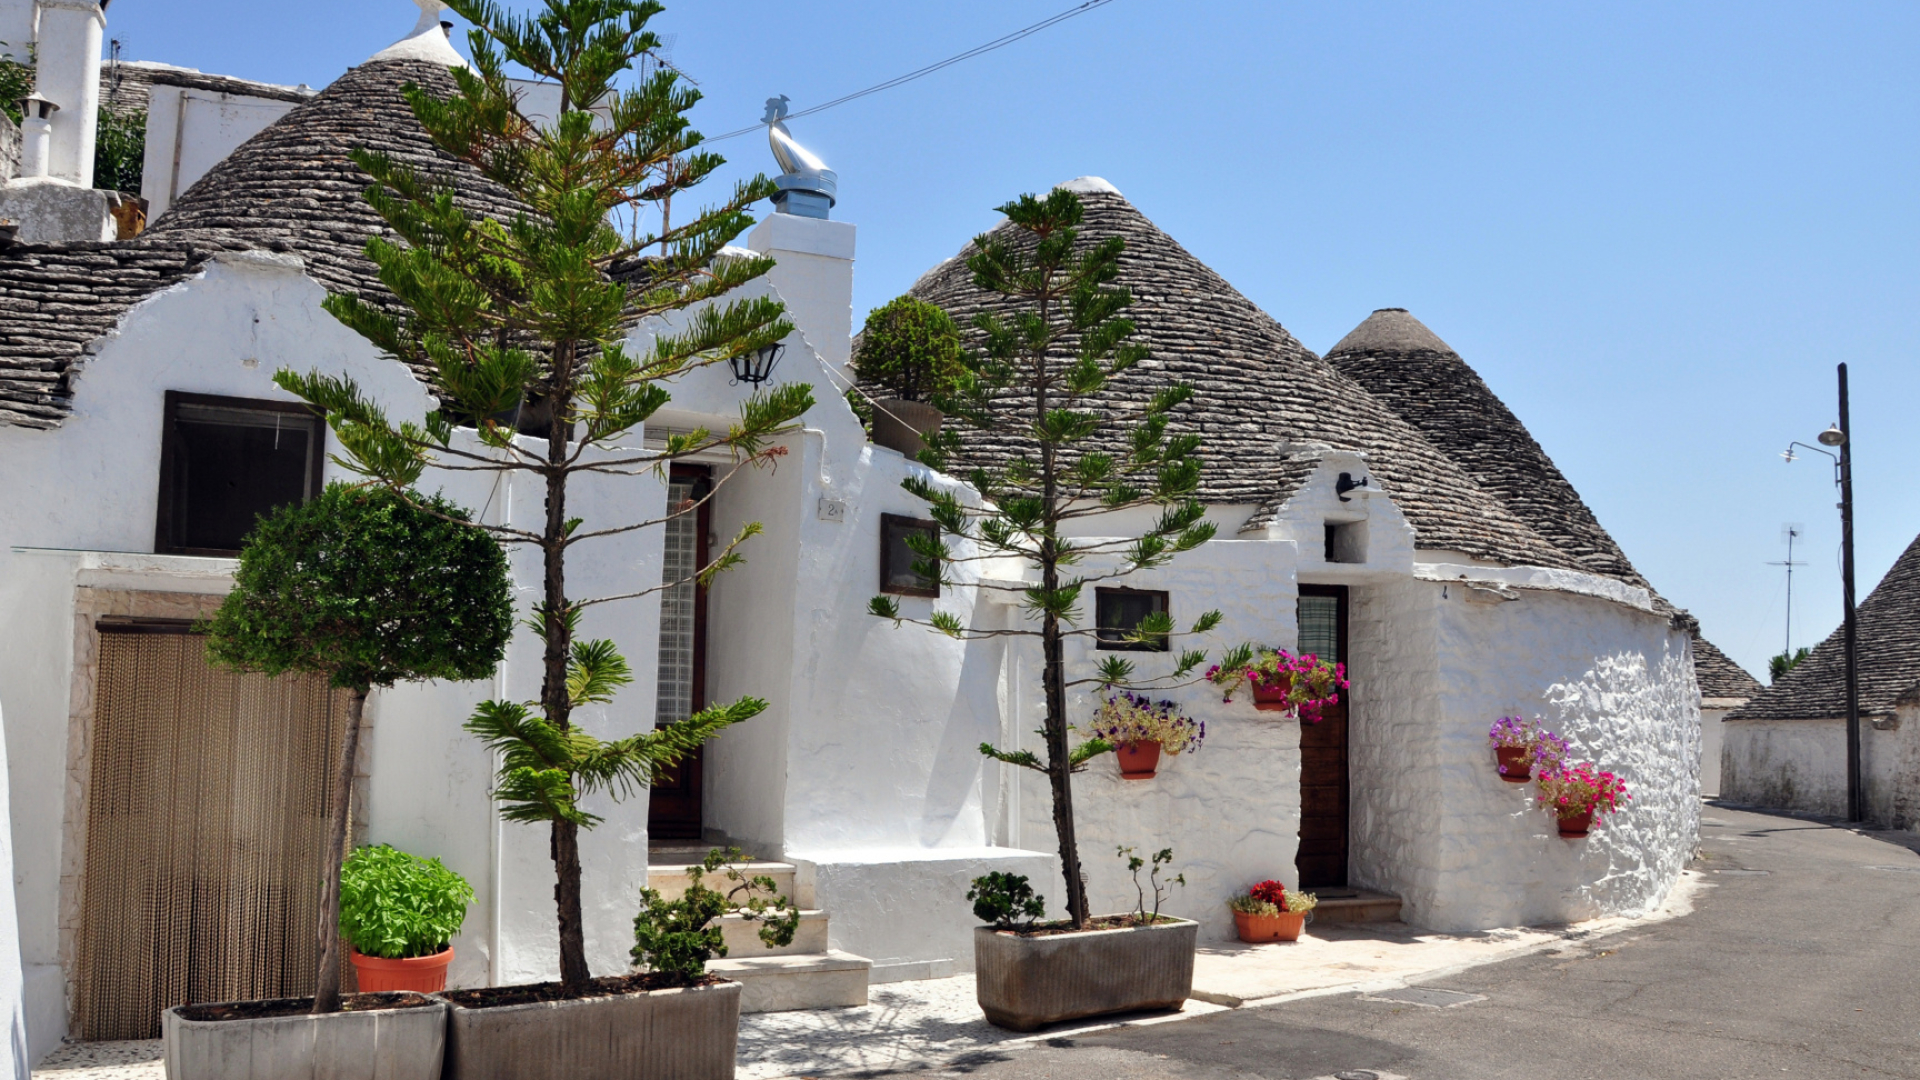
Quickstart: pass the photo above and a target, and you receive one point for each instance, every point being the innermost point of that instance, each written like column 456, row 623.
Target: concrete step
column 743, row 936
column 671, row 878
column 1355, row 906
column 829, row 980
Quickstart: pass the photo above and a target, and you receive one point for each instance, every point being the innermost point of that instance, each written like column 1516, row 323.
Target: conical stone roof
column 1887, row 628
column 1257, row 389
column 1408, row 368
column 295, row 188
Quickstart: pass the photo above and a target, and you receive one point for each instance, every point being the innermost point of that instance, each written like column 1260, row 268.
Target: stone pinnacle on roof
column 427, row 41
column 1420, row 377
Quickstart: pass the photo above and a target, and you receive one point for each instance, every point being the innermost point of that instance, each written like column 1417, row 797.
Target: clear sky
column 1653, row 228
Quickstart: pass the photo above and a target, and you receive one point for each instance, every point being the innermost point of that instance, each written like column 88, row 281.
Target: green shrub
column 1006, row 901
column 676, row 938
column 911, row 349
column 395, row 905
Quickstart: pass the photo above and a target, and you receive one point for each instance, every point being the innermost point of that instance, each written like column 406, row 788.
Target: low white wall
column 1713, row 737
column 1801, row 765
column 1231, row 811
column 1617, row 682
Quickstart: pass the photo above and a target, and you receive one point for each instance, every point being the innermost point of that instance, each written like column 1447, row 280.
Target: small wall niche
column 1346, row 542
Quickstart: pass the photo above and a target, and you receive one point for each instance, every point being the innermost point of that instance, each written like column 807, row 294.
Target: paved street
column 1799, row 960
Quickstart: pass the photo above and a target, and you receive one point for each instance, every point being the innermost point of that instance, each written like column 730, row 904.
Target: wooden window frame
column 163, row 518
column 1107, row 645
column 889, row 522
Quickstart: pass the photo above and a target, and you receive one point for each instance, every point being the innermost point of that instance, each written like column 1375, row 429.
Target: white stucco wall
column 1801, row 765
column 1434, row 823
column 17, row 1057
column 1713, row 737
column 1231, row 811
column 191, row 131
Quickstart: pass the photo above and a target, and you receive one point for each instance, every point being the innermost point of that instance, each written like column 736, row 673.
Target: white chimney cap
column 427, row 41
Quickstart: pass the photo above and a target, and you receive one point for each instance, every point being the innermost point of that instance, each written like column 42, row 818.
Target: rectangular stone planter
column 380, row 1044
column 1026, row 983
column 685, row 1034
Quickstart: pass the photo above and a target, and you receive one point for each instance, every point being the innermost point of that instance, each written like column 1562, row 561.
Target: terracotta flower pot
column 422, row 974
column 1513, row 764
column 1576, row 825
column 1272, row 698
column 1285, row 926
column 1138, row 760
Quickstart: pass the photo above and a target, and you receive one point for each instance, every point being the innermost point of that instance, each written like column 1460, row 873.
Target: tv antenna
column 1790, row 532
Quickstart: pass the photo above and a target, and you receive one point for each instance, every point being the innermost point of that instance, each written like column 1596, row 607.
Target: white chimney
column 36, row 136
column 67, row 59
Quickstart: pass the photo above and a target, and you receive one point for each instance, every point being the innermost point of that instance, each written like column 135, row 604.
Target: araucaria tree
column 527, row 317
column 367, row 588
column 1043, row 376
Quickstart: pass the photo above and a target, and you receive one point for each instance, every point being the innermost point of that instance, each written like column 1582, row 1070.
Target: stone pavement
column 917, row 1024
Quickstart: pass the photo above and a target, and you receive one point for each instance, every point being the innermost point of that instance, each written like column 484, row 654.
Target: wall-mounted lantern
column 756, row 367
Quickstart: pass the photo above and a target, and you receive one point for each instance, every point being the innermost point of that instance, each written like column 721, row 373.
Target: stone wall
column 1801, row 765
column 9, row 148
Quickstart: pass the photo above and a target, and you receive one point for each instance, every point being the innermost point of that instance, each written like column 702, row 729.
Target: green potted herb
column 399, row 913
column 910, row 352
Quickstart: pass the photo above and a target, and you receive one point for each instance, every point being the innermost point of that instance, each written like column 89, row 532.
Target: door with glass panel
column 673, row 812
column 1322, row 858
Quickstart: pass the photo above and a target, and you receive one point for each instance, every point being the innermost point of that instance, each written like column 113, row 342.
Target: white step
column 830, row 980
column 743, row 936
column 671, row 880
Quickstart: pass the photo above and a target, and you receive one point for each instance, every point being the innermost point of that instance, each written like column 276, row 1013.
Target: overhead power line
column 997, row 43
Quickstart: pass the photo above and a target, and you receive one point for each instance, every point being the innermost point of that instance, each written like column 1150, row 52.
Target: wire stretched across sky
column 990, row 46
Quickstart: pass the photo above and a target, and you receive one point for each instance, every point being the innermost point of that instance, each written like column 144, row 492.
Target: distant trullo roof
column 291, row 188
column 1259, row 391
column 1719, row 676
column 1409, row 369
column 1887, row 626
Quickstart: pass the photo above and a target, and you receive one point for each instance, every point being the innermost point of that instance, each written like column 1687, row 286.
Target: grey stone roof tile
column 1257, row 388
column 1718, row 675
column 1887, row 625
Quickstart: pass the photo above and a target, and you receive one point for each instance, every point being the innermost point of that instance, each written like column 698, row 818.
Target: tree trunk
column 326, row 989
column 1053, row 675
column 565, row 841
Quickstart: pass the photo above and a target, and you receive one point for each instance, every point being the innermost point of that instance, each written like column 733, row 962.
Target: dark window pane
column 228, row 466
column 896, row 558
column 1118, row 612
column 1320, row 627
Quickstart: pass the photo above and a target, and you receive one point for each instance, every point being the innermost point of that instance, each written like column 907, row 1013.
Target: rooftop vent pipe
column 36, row 136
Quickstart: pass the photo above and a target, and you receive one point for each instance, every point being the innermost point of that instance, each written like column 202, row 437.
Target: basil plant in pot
column 399, row 913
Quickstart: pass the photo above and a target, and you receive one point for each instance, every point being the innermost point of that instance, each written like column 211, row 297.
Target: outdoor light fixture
column 1836, row 436
column 756, row 367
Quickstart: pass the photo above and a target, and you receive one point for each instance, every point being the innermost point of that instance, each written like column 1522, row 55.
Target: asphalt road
column 1802, row 959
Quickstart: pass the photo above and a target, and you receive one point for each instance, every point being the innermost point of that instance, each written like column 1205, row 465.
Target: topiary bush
column 1006, row 901
column 912, row 350
column 395, row 905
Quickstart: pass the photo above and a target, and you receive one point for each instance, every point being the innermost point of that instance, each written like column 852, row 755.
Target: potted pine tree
column 1048, row 377
column 910, row 352
column 537, row 310
column 368, row 587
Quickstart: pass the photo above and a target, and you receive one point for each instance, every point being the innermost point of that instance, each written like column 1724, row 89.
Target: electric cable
column 910, row 76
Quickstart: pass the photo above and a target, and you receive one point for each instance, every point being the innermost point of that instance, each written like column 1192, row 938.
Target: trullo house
column 1378, row 504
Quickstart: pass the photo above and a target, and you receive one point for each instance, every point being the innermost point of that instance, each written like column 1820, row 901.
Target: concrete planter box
column 1026, row 983
column 685, row 1034
column 380, row 1044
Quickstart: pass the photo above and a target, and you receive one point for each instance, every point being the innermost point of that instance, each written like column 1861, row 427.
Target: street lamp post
column 1840, row 437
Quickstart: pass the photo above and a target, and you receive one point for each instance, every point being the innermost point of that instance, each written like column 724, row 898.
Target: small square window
column 1119, row 612
column 226, row 461
column 896, row 558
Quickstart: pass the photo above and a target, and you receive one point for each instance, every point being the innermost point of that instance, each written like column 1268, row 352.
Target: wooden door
column 207, row 819
column 673, row 805
column 1322, row 858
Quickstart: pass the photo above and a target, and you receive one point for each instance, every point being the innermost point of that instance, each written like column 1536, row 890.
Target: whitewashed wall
column 1801, row 765
column 17, row 1057
column 1433, row 821
column 191, row 131
column 1231, row 811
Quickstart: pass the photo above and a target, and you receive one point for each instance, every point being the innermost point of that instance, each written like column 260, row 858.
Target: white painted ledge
column 137, row 570
column 1537, row 577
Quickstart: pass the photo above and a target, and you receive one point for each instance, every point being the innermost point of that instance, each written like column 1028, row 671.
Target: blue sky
column 1652, row 227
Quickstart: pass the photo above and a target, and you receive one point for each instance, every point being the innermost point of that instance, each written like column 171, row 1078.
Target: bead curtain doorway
column 207, row 815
